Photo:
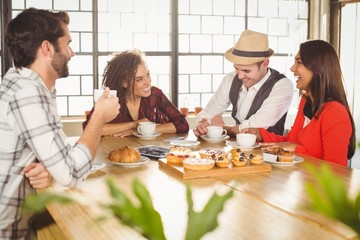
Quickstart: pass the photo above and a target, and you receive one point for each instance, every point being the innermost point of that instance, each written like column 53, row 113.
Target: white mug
column 245, row 139
column 99, row 92
column 146, row 128
column 216, row 132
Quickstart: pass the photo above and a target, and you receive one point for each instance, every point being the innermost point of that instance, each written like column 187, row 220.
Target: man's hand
column 38, row 176
column 107, row 107
column 232, row 130
column 201, row 127
column 217, row 120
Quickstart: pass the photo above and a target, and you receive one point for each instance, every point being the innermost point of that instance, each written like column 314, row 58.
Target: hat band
column 241, row 53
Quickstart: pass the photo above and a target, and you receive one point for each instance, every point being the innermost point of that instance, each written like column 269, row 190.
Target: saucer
column 143, row 136
column 235, row 144
column 214, row 140
column 185, row 143
column 141, row 161
column 97, row 166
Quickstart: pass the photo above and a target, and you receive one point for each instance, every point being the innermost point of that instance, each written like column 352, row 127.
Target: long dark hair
column 120, row 70
column 327, row 82
column 25, row 33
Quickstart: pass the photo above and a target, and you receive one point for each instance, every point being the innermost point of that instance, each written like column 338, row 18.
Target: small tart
column 239, row 162
column 255, row 158
column 198, row 163
column 222, row 162
column 235, row 151
column 214, row 154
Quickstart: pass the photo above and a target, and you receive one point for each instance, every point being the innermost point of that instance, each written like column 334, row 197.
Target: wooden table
column 264, row 206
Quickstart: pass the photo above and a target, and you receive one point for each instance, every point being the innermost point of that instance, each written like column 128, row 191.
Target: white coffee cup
column 216, row 132
column 99, row 92
column 146, row 128
column 246, row 139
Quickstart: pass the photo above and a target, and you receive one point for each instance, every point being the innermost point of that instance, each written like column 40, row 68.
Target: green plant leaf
column 329, row 197
column 144, row 218
column 36, row 202
column 200, row 223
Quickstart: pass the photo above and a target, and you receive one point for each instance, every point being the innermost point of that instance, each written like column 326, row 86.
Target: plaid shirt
column 156, row 108
column 30, row 129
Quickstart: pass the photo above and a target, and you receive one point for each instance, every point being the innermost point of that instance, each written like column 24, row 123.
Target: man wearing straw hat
column 260, row 96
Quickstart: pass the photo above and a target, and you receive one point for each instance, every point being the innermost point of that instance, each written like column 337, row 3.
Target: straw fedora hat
column 252, row 47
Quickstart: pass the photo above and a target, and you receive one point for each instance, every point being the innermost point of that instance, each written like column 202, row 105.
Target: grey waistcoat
column 259, row 98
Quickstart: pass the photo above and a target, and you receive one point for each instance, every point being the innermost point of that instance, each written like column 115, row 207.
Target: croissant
column 125, row 154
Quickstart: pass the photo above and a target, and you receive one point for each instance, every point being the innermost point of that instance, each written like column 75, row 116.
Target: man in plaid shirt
column 33, row 144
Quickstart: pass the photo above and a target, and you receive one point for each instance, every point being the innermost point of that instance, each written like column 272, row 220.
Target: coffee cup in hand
column 146, row 128
column 99, row 92
column 215, row 132
column 246, row 139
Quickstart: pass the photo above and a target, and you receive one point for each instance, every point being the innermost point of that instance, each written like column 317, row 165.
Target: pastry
column 238, row 158
column 214, row 154
column 255, row 158
column 286, row 156
column 240, row 162
column 198, row 163
column 278, row 154
column 177, row 155
column 222, row 162
column 125, row 154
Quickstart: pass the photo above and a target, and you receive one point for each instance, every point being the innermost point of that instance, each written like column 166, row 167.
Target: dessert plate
column 235, row 144
column 185, row 143
column 296, row 160
column 143, row 136
column 214, row 140
column 141, row 161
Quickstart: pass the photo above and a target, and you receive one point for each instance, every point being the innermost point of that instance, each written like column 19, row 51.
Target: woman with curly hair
column 324, row 127
column 127, row 72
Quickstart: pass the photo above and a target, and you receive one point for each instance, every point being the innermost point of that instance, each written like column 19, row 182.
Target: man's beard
column 59, row 63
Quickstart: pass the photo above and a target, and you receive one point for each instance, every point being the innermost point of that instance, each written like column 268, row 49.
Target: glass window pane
column 66, row 5
column 80, row 21
column 68, row 86
column 78, row 105
column 86, row 42
column 45, row 4
column 81, row 64
column 86, row 5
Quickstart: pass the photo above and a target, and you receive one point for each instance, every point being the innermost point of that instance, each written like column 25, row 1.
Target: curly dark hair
column 25, row 33
column 120, row 73
column 327, row 82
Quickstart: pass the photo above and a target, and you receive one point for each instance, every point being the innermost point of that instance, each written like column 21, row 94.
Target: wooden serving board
column 215, row 171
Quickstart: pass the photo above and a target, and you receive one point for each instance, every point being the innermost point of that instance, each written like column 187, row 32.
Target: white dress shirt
column 272, row 109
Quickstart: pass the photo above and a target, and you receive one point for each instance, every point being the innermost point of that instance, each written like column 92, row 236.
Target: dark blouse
column 156, row 108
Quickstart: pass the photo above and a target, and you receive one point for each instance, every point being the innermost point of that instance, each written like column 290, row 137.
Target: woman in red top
column 128, row 73
column 324, row 127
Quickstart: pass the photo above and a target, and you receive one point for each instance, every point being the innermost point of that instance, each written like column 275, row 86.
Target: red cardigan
column 326, row 138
